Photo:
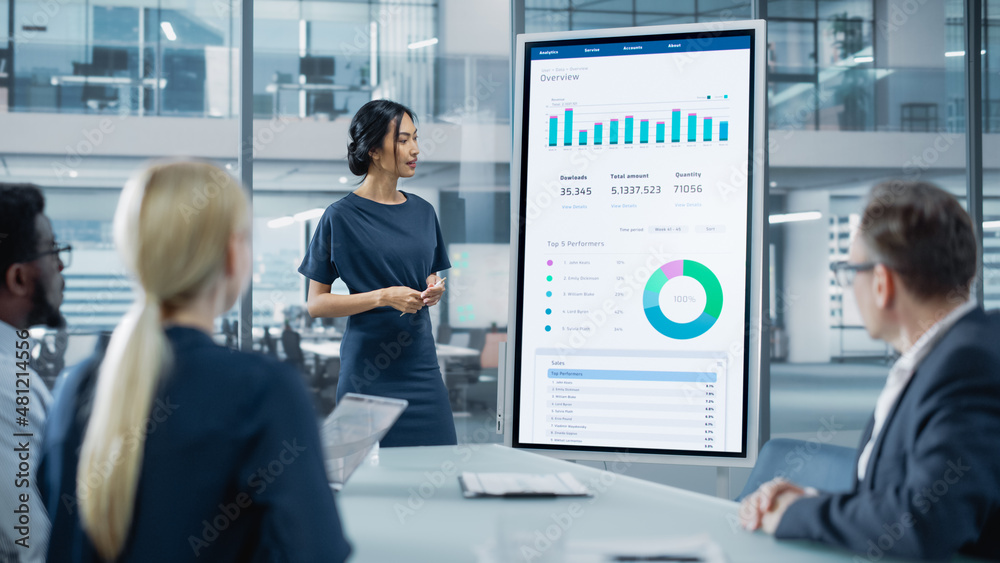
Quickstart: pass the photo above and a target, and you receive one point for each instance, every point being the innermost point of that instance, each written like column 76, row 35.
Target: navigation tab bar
column 706, row 43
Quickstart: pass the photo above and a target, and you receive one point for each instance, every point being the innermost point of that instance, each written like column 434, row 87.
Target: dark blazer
column 232, row 468
column 932, row 486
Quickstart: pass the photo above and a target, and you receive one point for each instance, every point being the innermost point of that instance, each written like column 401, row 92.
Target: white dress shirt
column 14, row 439
column 901, row 373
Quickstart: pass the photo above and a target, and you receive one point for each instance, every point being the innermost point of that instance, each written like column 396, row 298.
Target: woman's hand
column 435, row 289
column 401, row 299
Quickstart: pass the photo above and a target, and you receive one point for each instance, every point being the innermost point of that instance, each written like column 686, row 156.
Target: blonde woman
column 172, row 448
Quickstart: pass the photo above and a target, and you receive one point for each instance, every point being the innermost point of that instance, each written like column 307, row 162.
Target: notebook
column 356, row 424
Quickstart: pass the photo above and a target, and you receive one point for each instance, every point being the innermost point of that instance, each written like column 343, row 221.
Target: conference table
column 304, row 89
column 407, row 506
column 122, row 83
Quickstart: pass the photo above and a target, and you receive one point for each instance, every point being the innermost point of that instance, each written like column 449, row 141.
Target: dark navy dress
column 232, row 469
column 373, row 246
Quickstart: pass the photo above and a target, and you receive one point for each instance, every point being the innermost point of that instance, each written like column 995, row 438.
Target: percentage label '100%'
column 685, row 299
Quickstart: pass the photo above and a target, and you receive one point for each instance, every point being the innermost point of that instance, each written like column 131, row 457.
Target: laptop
column 356, row 424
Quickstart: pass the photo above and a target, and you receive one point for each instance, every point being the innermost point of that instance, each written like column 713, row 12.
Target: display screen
column 634, row 286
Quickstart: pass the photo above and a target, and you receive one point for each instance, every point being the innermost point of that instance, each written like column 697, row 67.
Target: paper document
column 520, row 485
column 700, row 549
column 517, row 545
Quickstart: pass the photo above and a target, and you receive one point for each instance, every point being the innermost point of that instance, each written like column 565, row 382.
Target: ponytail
column 170, row 271
column 111, row 457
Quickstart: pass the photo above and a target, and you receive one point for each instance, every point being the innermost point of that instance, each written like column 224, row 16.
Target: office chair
column 95, row 96
column 483, row 391
column 268, row 345
column 320, row 103
column 810, row 463
column 49, row 362
column 316, row 378
column 444, row 333
column 325, row 390
column 477, row 338
column 290, row 343
column 489, row 359
column 460, row 373
column 473, row 382
column 233, row 336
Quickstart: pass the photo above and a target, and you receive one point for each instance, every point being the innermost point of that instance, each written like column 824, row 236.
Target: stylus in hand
column 439, row 282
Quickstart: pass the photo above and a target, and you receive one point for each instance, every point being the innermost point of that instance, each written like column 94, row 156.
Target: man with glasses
column 31, row 291
column 927, row 480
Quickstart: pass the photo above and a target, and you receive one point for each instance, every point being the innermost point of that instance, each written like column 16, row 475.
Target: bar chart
column 702, row 125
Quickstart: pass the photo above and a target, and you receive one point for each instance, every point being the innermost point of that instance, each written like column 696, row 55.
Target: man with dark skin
column 31, row 291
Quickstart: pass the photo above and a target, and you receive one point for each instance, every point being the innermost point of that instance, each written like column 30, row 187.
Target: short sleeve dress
column 373, row 246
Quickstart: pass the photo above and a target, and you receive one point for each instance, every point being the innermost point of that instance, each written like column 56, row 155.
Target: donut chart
column 713, row 299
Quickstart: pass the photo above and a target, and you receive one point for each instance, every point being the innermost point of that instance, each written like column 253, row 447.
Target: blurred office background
column 858, row 91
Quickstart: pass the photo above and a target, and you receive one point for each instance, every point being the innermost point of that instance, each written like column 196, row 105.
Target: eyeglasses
column 844, row 272
column 65, row 253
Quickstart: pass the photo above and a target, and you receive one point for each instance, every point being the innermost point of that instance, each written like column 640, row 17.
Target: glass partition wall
column 858, row 91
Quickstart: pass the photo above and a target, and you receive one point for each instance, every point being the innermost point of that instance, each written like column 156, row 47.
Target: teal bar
column 723, row 130
column 708, row 128
column 583, row 137
column 692, row 127
column 643, row 130
column 628, row 129
column 598, row 133
column 568, row 128
column 675, row 126
column 625, row 375
column 553, row 130
column 614, row 131
column 660, row 131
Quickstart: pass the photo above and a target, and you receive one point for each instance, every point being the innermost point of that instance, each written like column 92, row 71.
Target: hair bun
column 369, row 129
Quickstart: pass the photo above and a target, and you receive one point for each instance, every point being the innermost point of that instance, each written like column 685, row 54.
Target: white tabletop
column 456, row 351
column 325, row 348
column 105, row 80
column 409, row 508
column 331, row 349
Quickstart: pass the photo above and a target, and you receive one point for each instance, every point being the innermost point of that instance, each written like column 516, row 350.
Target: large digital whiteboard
column 638, row 265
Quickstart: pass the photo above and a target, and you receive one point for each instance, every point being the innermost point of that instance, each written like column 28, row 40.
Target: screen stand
column 501, row 385
column 722, row 483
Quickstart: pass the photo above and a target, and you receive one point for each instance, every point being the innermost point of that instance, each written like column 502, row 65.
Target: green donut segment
column 656, row 281
column 707, row 279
